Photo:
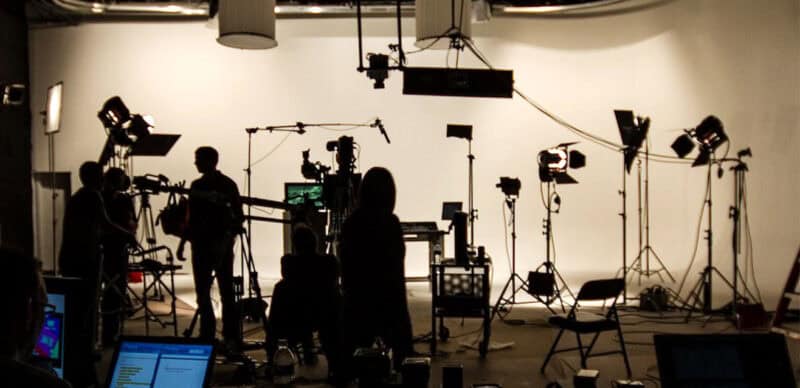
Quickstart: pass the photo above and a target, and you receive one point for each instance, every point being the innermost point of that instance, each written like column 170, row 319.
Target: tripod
column 704, row 284
column 647, row 250
column 253, row 306
column 501, row 307
column 553, row 283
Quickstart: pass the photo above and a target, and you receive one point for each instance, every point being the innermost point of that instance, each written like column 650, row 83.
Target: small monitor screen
column 300, row 193
column 50, row 345
column 160, row 365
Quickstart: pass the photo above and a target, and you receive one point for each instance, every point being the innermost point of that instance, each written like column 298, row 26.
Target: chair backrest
column 601, row 289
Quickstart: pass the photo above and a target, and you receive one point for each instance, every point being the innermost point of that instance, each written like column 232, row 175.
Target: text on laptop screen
column 160, row 365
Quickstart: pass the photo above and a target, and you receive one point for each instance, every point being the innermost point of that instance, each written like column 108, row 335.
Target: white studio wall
column 676, row 63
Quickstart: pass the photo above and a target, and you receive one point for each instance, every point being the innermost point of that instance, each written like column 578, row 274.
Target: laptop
column 724, row 360
column 161, row 362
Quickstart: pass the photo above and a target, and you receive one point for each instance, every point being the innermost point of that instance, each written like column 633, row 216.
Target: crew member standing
column 120, row 209
column 215, row 218
column 373, row 270
column 86, row 224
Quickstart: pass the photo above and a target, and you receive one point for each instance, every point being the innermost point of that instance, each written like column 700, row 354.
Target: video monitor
column 303, row 192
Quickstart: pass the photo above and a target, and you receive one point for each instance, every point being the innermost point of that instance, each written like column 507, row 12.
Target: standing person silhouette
column 120, row 209
column 86, row 225
column 214, row 220
column 373, row 270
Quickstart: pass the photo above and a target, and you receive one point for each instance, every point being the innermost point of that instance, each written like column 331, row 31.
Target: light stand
column 298, row 128
column 646, row 251
column 549, row 265
column 465, row 132
column 704, row 284
column 51, row 164
column 473, row 213
column 624, row 215
column 501, row 306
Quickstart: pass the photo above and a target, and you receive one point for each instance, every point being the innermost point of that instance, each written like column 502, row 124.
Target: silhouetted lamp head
column 632, row 131
column 708, row 135
column 124, row 129
column 554, row 162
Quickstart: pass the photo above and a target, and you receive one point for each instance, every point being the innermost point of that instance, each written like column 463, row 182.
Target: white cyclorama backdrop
column 676, row 63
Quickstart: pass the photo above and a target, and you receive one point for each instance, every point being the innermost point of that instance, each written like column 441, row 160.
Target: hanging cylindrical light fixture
column 247, row 24
column 438, row 21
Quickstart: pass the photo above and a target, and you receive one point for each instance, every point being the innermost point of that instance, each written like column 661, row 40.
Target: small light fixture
column 124, row 129
column 247, row 24
column 632, row 134
column 554, row 162
column 709, row 135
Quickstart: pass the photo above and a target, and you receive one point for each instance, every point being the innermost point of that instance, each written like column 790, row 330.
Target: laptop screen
column 724, row 360
column 158, row 363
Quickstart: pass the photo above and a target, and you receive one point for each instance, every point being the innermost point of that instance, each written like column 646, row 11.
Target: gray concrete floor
column 525, row 343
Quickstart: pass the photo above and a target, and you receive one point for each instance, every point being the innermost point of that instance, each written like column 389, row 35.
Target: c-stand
column 551, row 274
column 501, row 306
column 704, row 284
column 646, row 250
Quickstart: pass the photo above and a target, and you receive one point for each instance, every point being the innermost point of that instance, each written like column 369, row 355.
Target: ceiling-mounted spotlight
column 554, row 162
column 378, row 69
column 247, row 24
column 709, row 135
column 441, row 23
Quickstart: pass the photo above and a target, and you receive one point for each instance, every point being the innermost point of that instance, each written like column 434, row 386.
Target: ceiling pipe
column 200, row 9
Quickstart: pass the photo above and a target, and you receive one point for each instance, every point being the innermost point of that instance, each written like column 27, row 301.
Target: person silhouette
column 214, row 220
column 23, row 298
column 372, row 255
column 86, row 225
column 120, row 209
column 307, row 298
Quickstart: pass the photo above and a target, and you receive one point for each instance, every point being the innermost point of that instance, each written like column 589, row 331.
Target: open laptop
column 724, row 360
column 161, row 362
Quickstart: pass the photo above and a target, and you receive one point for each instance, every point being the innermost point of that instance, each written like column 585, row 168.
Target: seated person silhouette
column 306, row 299
column 23, row 298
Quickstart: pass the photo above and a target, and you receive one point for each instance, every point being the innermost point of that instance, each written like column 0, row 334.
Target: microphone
column 379, row 124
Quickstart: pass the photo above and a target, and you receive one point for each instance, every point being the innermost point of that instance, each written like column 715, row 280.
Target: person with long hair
column 372, row 254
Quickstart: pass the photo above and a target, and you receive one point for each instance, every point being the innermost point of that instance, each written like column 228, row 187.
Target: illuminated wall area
column 676, row 63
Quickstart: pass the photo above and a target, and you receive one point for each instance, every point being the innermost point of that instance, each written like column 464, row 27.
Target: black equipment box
column 436, row 81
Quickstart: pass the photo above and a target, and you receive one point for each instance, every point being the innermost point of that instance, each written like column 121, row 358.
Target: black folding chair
column 595, row 290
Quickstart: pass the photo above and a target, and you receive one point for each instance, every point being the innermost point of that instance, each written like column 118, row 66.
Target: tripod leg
column 661, row 263
column 501, row 301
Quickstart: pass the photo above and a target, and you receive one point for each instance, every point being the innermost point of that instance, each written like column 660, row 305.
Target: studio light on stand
column 709, row 135
column 545, row 283
column 515, row 283
column 129, row 135
column 52, row 124
column 634, row 131
column 465, row 132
